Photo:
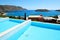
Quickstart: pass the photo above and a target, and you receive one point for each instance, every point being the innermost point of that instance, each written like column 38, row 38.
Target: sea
column 32, row 12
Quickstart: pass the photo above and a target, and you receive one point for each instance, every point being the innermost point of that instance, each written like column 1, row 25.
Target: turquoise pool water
column 7, row 24
column 36, row 31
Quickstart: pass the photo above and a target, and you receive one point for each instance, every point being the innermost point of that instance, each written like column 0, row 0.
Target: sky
column 33, row 4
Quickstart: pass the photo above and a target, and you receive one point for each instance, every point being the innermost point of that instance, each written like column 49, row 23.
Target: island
column 58, row 10
column 42, row 10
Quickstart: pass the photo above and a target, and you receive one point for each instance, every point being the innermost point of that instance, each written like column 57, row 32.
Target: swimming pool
column 8, row 23
column 36, row 31
column 40, row 33
column 3, row 19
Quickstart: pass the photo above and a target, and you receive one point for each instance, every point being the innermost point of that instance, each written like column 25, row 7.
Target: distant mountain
column 42, row 10
column 10, row 8
column 58, row 10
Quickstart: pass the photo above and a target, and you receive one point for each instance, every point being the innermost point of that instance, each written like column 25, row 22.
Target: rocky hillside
column 10, row 7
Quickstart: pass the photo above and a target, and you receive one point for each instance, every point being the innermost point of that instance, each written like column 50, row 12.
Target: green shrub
column 55, row 16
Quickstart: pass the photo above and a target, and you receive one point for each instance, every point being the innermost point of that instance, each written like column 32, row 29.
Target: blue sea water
column 32, row 12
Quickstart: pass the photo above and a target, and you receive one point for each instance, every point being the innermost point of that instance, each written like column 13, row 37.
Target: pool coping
column 46, row 23
column 13, row 28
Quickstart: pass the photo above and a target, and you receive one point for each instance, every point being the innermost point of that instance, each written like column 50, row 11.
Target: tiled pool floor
column 37, row 33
